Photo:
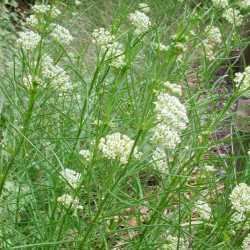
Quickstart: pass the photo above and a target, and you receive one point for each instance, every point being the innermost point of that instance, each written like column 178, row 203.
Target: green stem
column 28, row 114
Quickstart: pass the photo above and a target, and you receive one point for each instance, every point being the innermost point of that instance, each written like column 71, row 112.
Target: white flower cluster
column 160, row 160
column 240, row 198
column 86, row 154
column 140, row 21
column 203, row 209
column 102, row 37
column 212, row 41
column 116, row 55
column 61, row 34
column 244, row 4
column 68, row 201
column 242, row 79
column 170, row 111
column 233, row 16
column 165, row 137
column 32, row 20
column 238, row 217
column 246, row 243
column 220, row 3
column 28, row 40
column 71, row 176
column 28, row 80
column 171, row 116
column 55, row 74
column 46, row 8
column 113, row 49
column 118, row 146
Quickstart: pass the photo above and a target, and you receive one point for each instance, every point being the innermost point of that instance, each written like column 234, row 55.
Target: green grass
column 43, row 129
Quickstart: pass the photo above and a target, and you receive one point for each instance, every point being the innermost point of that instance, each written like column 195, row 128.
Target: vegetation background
column 183, row 202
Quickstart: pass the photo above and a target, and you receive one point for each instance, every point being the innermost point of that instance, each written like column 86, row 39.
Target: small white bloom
column 140, row 21
column 71, row 176
column 246, row 243
column 102, row 37
column 171, row 112
column 45, row 9
column 32, row 20
column 203, row 209
column 244, row 4
column 242, row 79
column 159, row 158
column 115, row 54
column 238, row 217
column 68, row 201
column 212, row 41
column 233, row 16
column 55, row 74
column 61, row 34
column 166, row 137
column 28, row 40
column 41, row 8
column 117, row 146
column 86, row 154
column 240, row 198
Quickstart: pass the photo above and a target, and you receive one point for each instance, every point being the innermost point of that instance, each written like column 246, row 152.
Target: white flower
column 243, row 81
column 246, row 243
column 114, row 50
column 28, row 80
column 68, row 201
column 71, row 176
column 233, row 16
column 214, row 35
column 203, row 209
column 117, row 146
column 171, row 112
column 238, row 217
column 32, row 20
column 115, row 54
column 165, row 136
column 140, row 21
column 144, row 7
column 102, row 37
column 174, row 88
column 244, row 4
column 41, row 8
column 55, row 74
column 240, row 198
column 55, row 12
column 212, row 41
column 28, row 40
column 220, row 3
column 160, row 160
column 61, row 34
column 86, row 154
column 46, row 8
